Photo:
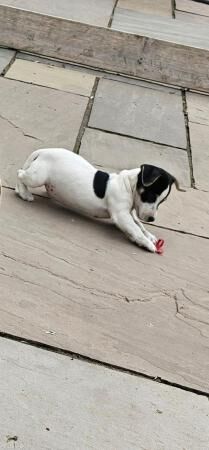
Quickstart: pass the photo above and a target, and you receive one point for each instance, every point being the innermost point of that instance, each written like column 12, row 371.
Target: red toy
column 159, row 246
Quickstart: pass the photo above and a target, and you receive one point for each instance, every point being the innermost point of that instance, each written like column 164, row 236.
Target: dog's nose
column 150, row 219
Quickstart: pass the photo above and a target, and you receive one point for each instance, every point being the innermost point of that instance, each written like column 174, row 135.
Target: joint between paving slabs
column 173, row 8
column 129, row 136
column 112, row 15
column 12, row 60
column 86, row 116
column 189, row 149
column 90, row 360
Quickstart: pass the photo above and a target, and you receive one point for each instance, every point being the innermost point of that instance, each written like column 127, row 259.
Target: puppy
column 126, row 198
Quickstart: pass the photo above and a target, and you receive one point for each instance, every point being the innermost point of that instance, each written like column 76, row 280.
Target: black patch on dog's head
column 100, row 183
column 152, row 182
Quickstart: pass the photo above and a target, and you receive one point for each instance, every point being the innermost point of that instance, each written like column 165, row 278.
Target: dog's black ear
column 176, row 182
column 148, row 175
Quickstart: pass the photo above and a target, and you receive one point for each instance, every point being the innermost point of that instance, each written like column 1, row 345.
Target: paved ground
column 53, row 402
column 94, row 12
column 128, row 12
column 101, row 12
column 79, row 286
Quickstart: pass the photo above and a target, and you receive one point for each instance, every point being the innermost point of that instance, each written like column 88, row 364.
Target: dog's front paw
column 151, row 237
column 149, row 245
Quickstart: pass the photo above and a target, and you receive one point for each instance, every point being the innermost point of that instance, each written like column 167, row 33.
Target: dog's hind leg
column 33, row 175
column 22, row 190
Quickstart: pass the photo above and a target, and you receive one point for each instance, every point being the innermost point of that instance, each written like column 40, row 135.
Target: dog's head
column 153, row 187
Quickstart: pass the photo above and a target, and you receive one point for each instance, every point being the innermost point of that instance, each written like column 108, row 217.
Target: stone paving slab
column 32, row 117
column 192, row 7
column 199, row 135
column 66, row 401
column 159, row 8
column 94, row 12
column 51, row 76
column 187, row 212
column 190, row 17
column 163, row 29
column 198, row 114
column 139, row 112
column 119, row 152
column 103, row 297
column 5, row 58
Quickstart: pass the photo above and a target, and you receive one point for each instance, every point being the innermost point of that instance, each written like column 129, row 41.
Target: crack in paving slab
column 18, row 128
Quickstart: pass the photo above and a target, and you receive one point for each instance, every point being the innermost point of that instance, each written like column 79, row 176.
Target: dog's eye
column 148, row 197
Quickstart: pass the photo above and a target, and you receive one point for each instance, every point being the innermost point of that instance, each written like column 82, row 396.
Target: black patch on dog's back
column 100, row 183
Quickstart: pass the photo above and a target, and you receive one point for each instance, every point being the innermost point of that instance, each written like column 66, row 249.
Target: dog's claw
column 150, row 246
column 152, row 238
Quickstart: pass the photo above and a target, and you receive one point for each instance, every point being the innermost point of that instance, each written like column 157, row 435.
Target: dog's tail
column 30, row 159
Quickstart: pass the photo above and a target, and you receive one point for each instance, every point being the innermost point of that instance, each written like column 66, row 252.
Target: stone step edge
column 106, row 49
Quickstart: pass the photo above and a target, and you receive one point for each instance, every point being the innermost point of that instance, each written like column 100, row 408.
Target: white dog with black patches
column 126, row 198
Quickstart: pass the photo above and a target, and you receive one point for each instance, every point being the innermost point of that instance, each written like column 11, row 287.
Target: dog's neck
column 128, row 181
column 131, row 177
